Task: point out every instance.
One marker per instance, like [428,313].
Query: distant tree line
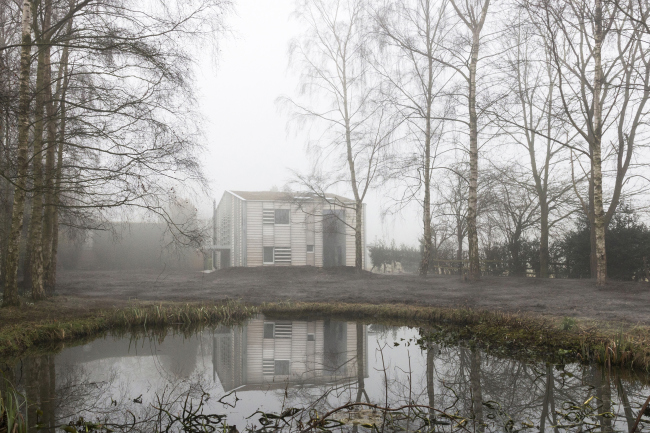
[628,251]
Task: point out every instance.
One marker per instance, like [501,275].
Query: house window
[269,330]
[268,367]
[282,330]
[268,216]
[310,248]
[282,367]
[282,255]
[268,254]
[282,216]
[310,337]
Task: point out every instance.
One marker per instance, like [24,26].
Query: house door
[333,238]
[225,259]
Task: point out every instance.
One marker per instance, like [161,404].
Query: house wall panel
[282,348]
[298,237]
[268,235]
[351,348]
[299,348]
[282,235]
[254,352]
[318,237]
[268,348]
[350,248]
[319,335]
[254,235]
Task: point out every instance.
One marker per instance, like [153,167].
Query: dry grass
[569,339]
[18,337]
[614,344]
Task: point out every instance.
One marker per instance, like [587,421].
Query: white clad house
[270,228]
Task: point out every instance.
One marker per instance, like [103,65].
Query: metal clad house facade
[267,228]
[265,354]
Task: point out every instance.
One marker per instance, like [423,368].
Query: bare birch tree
[602,83]
[332,57]
[527,118]
[411,33]
[10,295]
[472,14]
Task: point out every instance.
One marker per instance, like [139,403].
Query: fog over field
[482,137]
[336,216]
[250,73]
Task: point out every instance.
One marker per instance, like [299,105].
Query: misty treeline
[97,122]
[505,121]
[628,252]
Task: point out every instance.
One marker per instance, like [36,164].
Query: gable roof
[284,196]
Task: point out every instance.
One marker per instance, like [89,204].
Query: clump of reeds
[20,337]
[11,419]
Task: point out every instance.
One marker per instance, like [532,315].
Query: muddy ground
[618,301]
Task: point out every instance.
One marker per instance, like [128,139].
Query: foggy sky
[249,145]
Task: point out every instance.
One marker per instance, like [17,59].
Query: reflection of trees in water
[492,393]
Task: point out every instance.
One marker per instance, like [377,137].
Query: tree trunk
[426,217]
[426,220]
[50,154]
[361,364]
[477,392]
[459,240]
[599,213]
[5,190]
[431,394]
[35,239]
[543,240]
[10,296]
[358,232]
[604,396]
[472,232]
[50,270]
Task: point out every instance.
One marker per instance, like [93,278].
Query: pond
[323,374]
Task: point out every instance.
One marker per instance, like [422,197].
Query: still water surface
[179,382]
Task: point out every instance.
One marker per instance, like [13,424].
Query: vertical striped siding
[310,351]
[282,349]
[282,235]
[350,249]
[254,234]
[267,229]
[298,348]
[298,237]
[351,348]
[268,348]
[318,237]
[254,355]
[319,347]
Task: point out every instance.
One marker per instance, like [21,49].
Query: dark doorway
[333,238]
[225,259]
[335,339]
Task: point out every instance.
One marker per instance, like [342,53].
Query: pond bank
[622,301]
[530,335]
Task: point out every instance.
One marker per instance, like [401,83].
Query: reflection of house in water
[265,352]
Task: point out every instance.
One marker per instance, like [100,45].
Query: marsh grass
[11,417]
[554,338]
[22,336]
